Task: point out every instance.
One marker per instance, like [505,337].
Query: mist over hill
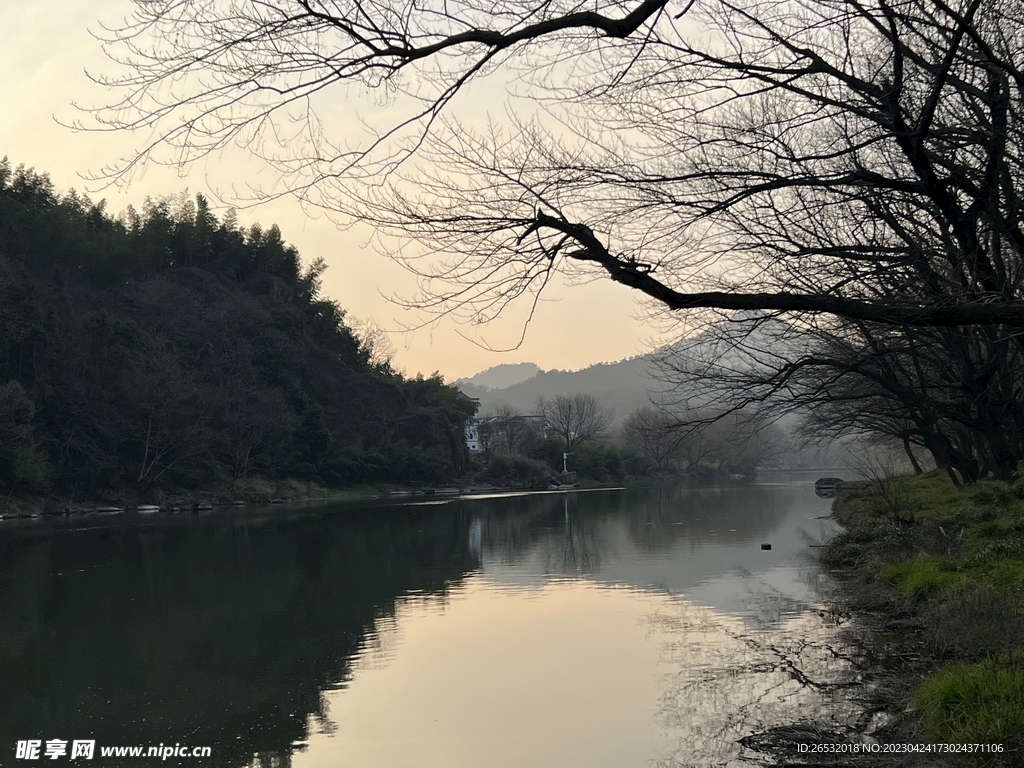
[636,381]
[623,386]
[632,383]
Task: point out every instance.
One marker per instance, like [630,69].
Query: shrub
[972,703]
[921,578]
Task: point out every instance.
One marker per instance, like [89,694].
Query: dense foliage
[167,347]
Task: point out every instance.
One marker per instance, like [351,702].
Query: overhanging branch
[638,276]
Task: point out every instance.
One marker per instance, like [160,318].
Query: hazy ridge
[622,385]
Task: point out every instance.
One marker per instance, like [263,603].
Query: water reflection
[207,632]
[728,682]
[377,634]
[701,542]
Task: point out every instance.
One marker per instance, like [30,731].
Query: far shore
[286,492]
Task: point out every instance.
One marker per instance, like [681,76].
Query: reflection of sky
[560,676]
[586,642]
[569,672]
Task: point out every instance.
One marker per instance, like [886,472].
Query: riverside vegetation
[944,569]
[158,355]
[167,349]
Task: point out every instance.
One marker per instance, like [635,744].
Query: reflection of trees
[655,518]
[216,633]
[508,538]
[563,532]
[580,548]
[729,682]
[767,607]
[737,692]
[660,517]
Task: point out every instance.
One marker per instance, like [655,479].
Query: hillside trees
[20,460]
[168,348]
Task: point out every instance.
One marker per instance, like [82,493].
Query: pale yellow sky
[47,47]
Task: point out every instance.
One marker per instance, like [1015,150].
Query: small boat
[147,509]
[110,510]
[826,487]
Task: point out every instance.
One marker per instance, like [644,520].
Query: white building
[473,431]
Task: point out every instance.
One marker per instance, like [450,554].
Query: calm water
[611,628]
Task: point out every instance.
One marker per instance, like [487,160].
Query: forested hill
[167,348]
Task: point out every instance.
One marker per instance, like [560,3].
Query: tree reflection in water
[231,630]
[223,631]
[730,679]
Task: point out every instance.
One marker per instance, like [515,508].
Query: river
[612,628]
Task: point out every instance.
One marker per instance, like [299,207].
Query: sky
[47,49]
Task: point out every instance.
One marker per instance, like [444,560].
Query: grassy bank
[943,569]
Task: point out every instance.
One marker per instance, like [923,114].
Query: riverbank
[250,491]
[246,491]
[937,574]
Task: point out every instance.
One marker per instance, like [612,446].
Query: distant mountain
[501,376]
[635,382]
[623,386]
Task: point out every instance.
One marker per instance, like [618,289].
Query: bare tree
[747,441]
[577,417]
[505,431]
[953,393]
[777,156]
[655,435]
[701,439]
[854,166]
[374,341]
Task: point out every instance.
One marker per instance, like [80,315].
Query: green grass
[935,494]
[924,577]
[1001,573]
[940,576]
[957,557]
[973,703]
[932,496]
